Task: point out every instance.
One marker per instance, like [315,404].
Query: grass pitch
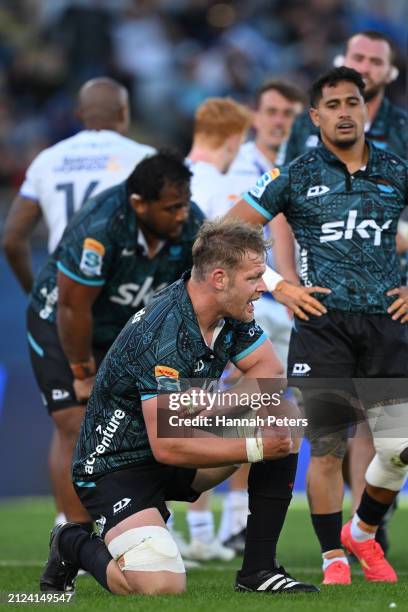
[25,525]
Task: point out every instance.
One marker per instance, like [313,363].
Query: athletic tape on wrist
[254,449]
[271,279]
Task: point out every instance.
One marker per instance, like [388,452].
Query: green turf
[23,549]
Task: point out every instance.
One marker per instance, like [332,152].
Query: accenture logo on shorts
[300,369]
[108,433]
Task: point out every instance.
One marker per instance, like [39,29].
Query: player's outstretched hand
[83,388]
[299,299]
[399,308]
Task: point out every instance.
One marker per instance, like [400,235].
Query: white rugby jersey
[250,164]
[213,191]
[63,176]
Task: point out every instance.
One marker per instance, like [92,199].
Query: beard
[372,92]
[345,144]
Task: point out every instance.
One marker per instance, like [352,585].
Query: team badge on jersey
[163,370]
[92,257]
[262,183]
[167,378]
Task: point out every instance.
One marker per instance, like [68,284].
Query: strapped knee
[387,470]
[147,549]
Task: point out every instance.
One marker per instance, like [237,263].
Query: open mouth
[345,126]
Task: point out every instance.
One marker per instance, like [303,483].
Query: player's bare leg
[68,423]
[54,457]
[325,489]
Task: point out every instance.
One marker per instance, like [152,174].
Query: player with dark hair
[60,179]
[121,247]
[125,468]
[343,200]
[371,54]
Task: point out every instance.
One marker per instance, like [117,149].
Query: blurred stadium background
[171,54]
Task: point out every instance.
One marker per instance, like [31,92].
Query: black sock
[87,551]
[328,528]
[270,487]
[371,511]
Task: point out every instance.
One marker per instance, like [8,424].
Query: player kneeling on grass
[124,472]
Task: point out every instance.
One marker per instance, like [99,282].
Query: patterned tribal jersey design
[117,262]
[345,224]
[113,433]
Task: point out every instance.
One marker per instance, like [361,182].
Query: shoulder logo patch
[92,257]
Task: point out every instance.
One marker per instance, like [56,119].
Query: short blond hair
[218,118]
[224,243]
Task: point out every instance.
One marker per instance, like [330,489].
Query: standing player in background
[372,55]
[276,105]
[343,201]
[220,126]
[62,178]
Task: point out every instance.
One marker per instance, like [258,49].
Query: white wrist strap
[254,449]
[271,279]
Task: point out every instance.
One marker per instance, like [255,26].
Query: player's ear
[218,278]
[314,115]
[393,74]
[137,203]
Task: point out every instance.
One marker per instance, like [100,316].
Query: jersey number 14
[68,190]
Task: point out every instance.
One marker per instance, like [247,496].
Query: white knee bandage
[147,549]
[386,469]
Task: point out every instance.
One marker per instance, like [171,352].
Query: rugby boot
[370,555]
[274,581]
[237,542]
[203,551]
[58,575]
[337,573]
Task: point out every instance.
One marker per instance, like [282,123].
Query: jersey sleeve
[86,254]
[30,188]
[270,194]
[154,362]
[248,336]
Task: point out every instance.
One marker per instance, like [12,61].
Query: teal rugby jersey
[100,247]
[160,344]
[389,131]
[345,224]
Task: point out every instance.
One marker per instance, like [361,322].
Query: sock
[328,528]
[88,527]
[234,514]
[270,485]
[86,551]
[201,525]
[371,511]
[327,562]
[60,518]
[357,533]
